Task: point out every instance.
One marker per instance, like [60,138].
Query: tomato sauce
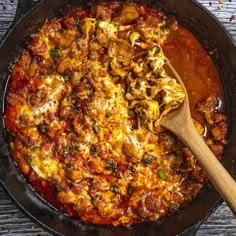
[194,66]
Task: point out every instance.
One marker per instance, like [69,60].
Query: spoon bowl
[179,122]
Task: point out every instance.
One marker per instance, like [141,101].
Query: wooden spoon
[179,122]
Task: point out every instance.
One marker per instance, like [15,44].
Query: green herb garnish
[111,165]
[88,87]
[157,50]
[61,31]
[98,21]
[28,158]
[73,108]
[131,168]
[76,148]
[117,26]
[108,115]
[162,174]
[55,53]
[10,132]
[59,188]
[92,37]
[68,77]
[35,148]
[173,207]
[115,189]
[140,215]
[148,159]
[130,189]
[95,129]
[54,152]
[11,145]
[66,150]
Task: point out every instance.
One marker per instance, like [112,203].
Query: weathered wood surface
[14,223]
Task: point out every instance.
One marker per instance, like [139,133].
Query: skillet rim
[202,8]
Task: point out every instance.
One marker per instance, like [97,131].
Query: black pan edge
[94,231]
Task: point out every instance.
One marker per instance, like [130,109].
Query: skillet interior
[211,36]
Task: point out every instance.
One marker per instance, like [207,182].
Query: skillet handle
[23,6]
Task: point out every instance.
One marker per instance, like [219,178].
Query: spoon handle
[219,177]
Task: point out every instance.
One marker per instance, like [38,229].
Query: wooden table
[13,222]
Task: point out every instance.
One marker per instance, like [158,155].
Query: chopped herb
[141,195]
[140,215]
[68,77]
[95,129]
[148,159]
[157,50]
[61,31]
[62,98]
[117,26]
[76,148]
[73,108]
[173,207]
[32,62]
[130,189]
[59,188]
[35,148]
[55,53]
[98,22]
[70,149]
[131,89]
[54,152]
[131,114]
[92,37]
[66,150]
[108,97]
[72,94]
[94,149]
[108,114]
[94,199]
[28,158]
[88,87]
[111,165]
[162,174]
[11,145]
[131,168]
[115,189]
[160,72]
[10,132]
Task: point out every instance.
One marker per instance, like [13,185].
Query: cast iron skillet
[214,38]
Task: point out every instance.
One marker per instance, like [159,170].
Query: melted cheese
[98,122]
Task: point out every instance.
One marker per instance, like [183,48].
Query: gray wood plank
[14,223]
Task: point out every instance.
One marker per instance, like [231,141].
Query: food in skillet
[83,107]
